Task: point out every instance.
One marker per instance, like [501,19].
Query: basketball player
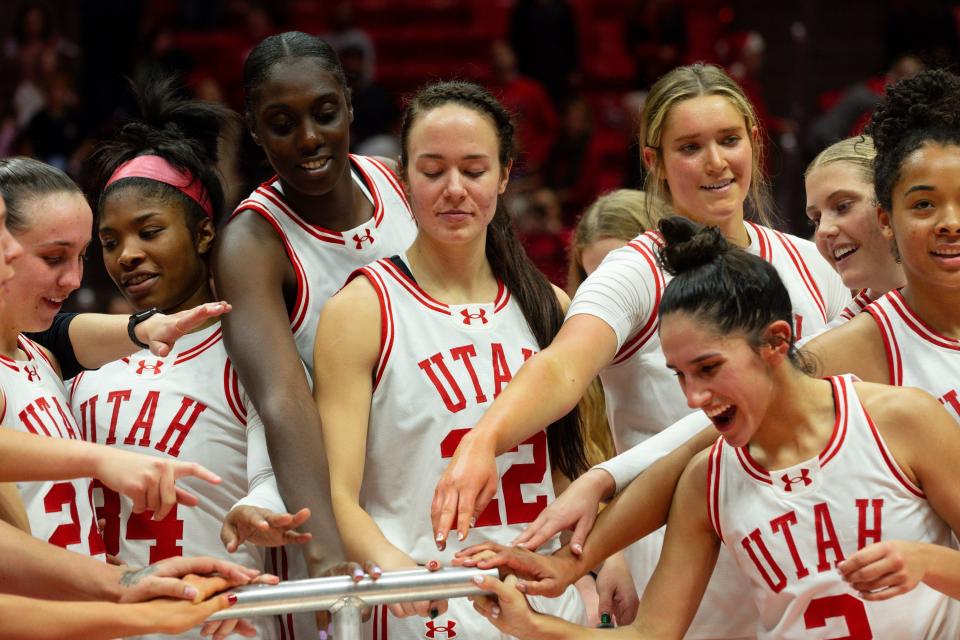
[325,214]
[50,219]
[703,148]
[806,473]
[416,346]
[159,199]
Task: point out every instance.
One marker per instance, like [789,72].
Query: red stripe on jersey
[890,346]
[503,296]
[303,288]
[889,460]
[320,233]
[383,623]
[230,392]
[917,325]
[751,466]
[419,294]
[804,272]
[386,320]
[9,363]
[762,241]
[392,179]
[3,414]
[198,349]
[640,338]
[374,191]
[713,486]
[840,424]
[858,304]
[74,383]
[27,342]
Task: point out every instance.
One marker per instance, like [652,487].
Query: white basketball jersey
[643,397]
[440,368]
[61,512]
[188,406]
[788,530]
[322,259]
[917,355]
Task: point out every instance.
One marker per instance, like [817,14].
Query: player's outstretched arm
[101,338]
[545,388]
[150,482]
[251,269]
[346,352]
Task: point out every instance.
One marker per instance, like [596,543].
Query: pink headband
[157,168]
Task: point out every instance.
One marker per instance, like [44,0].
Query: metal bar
[347,619]
[323,593]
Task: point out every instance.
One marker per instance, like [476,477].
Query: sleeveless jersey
[322,259]
[60,512]
[917,355]
[188,406]
[440,368]
[643,397]
[788,530]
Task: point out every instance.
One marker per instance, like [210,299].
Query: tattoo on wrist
[131,577]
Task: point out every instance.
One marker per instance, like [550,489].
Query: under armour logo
[31,372]
[447,630]
[152,367]
[366,237]
[468,317]
[804,477]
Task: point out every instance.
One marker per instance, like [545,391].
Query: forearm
[32,568]
[545,389]
[300,464]
[943,569]
[11,507]
[32,619]
[365,540]
[25,457]
[547,627]
[99,338]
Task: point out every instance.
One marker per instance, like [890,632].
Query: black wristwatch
[137,318]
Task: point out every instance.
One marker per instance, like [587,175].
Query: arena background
[574,72]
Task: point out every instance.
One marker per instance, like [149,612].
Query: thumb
[229,536]
[493,585]
[580,533]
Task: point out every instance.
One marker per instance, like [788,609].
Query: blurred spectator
[743,53]
[851,112]
[572,168]
[161,56]
[527,100]
[635,173]
[541,231]
[655,33]
[543,35]
[56,131]
[374,109]
[35,35]
[345,33]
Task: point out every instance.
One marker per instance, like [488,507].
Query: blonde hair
[686,83]
[622,214]
[858,151]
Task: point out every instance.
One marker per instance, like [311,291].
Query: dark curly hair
[505,254]
[921,109]
[721,284]
[182,131]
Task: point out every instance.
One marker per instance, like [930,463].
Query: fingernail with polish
[478,579]
[461,536]
[473,521]
[433,565]
[232,598]
[190,592]
[439,537]
[578,548]
[434,613]
[495,612]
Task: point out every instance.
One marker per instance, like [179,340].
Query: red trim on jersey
[503,297]
[387,328]
[23,340]
[917,325]
[9,363]
[763,243]
[804,272]
[419,294]
[640,338]
[373,189]
[840,424]
[74,383]
[231,391]
[858,304]
[303,287]
[890,345]
[3,414]
[392,179]
[713,486]
[384,611]
[890,461]
[751,466]
[276,198]
[198,349]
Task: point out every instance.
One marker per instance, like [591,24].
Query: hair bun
[689,245]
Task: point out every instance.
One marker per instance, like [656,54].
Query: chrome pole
[324,593]
[347,619]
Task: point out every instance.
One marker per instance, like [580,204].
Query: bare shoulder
[351,316]
[562,297]
[895,409]
[245,241]
[853,347]
[694,477]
